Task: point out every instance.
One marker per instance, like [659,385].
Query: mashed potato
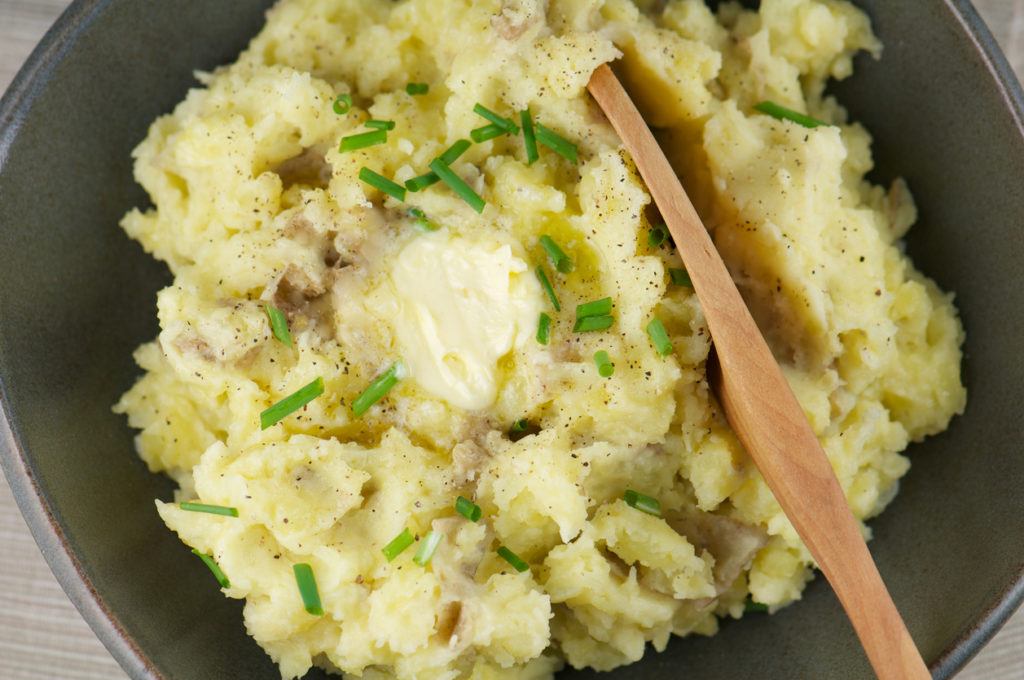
[256,206]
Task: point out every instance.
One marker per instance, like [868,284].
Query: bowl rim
[50,537]
[1006,602]
[15,103]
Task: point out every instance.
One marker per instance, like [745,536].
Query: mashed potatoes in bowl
[431,376]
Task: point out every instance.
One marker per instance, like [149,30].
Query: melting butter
[461,304]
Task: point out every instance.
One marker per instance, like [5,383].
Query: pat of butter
[461,305]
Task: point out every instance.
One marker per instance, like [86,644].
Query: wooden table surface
[41,633]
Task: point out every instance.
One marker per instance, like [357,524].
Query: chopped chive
[546,285]
[656,332]
[421,220]
[468,509]
[482,134]
[605,367]
[522,428]
[212,509]
[602,307]
[680,277]
[544,329]
[750,606]
[427,548]
[642,502]
[557,143]
[423,224]
[293,402]
[417,88]
[278,325]
[342,104]
[657,235]
[513,559]
[363,140]
[529,139]
[217,573]
[559,259]
[383,183]
[502,122]
[450,155]
[593,323]
[453,152]
[422,182]
[782,113]
[378,388]
[306,582]
[398,544]
[462,190]
[380,124]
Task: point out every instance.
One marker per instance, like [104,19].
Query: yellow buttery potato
[262,206]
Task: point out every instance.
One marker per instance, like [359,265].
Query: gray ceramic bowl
[76,297]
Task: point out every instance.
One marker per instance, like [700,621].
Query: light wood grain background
[41,634]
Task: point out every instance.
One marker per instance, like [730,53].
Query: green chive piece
[546,285]
[782,113]
[427,548]
[557,143]
[417,88]
[363,140]
[656,332]
[502,122]
[279,325]
[482,134]
[424,224]
[544,329]
[306,582]
[513,559]
[422,182]
[657,235]
[342,104]
[750,606]
[380,124]
[642,502]
[461,189]
[602,307]
[211,509]
[522,428]
[378,388]
[680,277]
[217,573]
[593,323]
[529,139]
[559,259]
[383,183]
[421,221]
[293,402]
[468,509]
[450,155]
[605,367]
[398,544]
[453,152]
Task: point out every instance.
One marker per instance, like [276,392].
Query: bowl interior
[76,297]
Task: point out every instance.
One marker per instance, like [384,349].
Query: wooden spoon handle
[763,411]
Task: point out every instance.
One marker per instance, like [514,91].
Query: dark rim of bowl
[50,537]
[984,629]
[48,534]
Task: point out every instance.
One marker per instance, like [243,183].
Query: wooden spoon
[763,411]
